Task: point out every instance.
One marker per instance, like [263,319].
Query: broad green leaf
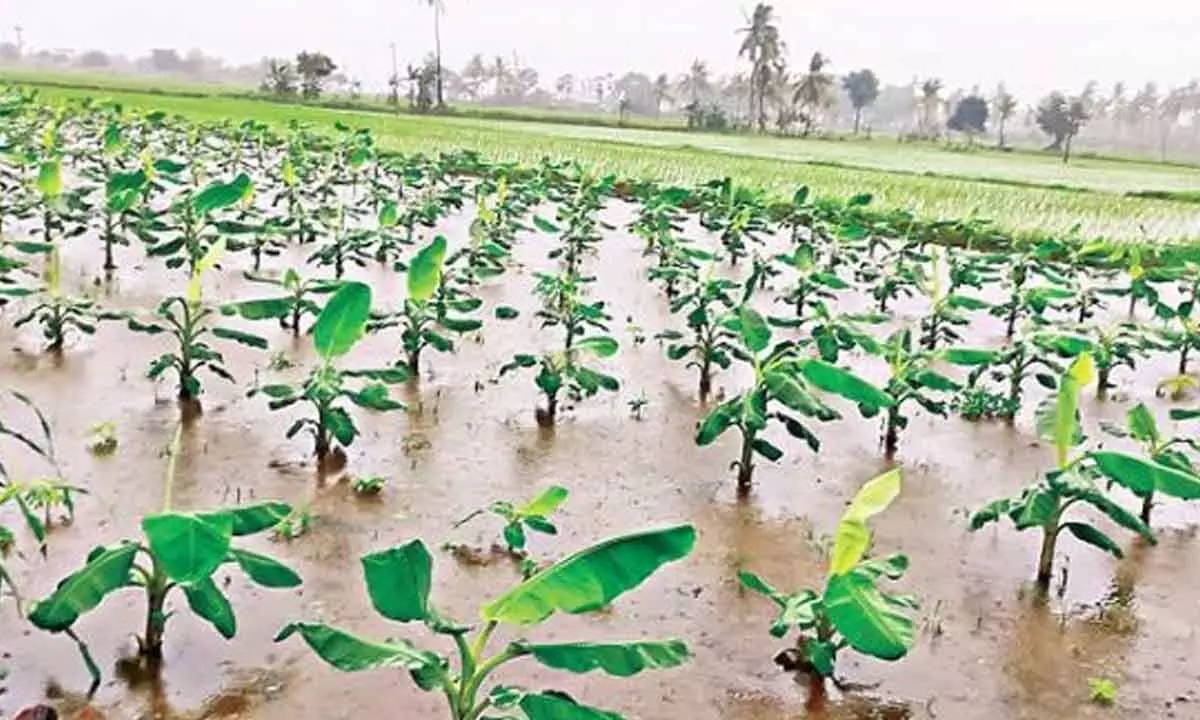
[717,422]
[348,653]
[265,309]
[242,338]
[188,548]
[1092,536]
[425,270]
[544,504]
[221,195]
[600,345]
[107,570]
[557,706]
[388,214]
[1061,426]
[1146,476]
[853,536]
[265,571]
[206,600]
[591,578]
[870,622]
[965,357]
[618,659]
[398,581]
[753,329]
[206,263]
[1141,422]
[343,321]
[834,379]
[253,519]
[49,179]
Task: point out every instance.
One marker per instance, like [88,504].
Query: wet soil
[987,648]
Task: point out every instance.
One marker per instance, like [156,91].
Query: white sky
[1035,45]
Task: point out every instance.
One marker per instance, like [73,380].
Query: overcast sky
[1034,45]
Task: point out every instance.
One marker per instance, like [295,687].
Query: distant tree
[93,59]
[600,85]
[931,91]
[500,73]
[394,82]
[565,86]
[1169,112]
[970,117]
[438,7]
[814,91]
[662,92]
[765,49]
[862,86]
[474,76]
[165,60]
[623,106]
[1004,106]
[1061,119]
[695,85]
[525,82]
[281,80]
[314,68]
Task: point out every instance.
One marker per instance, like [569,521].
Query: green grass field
[1022,192]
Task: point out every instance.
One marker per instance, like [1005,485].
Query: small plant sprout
[1102,691]
[291,308]
[782,377]
[533,515]
[180,551]
[399,582]
[338,329]
[102,438]
[1074,480]
[368,485]
[637,406]
[186,320]
[851,612]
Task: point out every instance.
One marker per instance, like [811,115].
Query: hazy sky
[1035,45]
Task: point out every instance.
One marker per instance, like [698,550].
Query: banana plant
[782,377]
[399,581]
[814,285]
[427,309]
[186,319]
[121,211]
[532,516]
[338,329]
[1074,481]
[291,308]
[911,380]
[178,551]
[562,368]
[1013,364]
[851,611]
[892,280]
[1121,345]
[197,223]
[706,302]
[60,315]
[1142,478]
[947,311]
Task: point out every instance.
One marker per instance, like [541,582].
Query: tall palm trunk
[437,42]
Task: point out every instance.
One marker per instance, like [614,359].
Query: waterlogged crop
[178,551]
[399,582]
[518,519]
[785,390]
[851,611]
[290,309]
[338,329]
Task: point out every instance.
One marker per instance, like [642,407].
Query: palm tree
[695,84]
[662,92]
[1005,106]
[813,91]
[930,101]
[763,47]
[438,7]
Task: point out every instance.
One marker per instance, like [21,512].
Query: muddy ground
[986,648]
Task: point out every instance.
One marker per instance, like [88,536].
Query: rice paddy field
[1019,192]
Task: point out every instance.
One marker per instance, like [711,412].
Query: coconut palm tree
[1004,105]
[814,91]
[662,92]
[764,48]
[695,84]
[438,7]
[931,91]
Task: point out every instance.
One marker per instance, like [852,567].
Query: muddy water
[985,649]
